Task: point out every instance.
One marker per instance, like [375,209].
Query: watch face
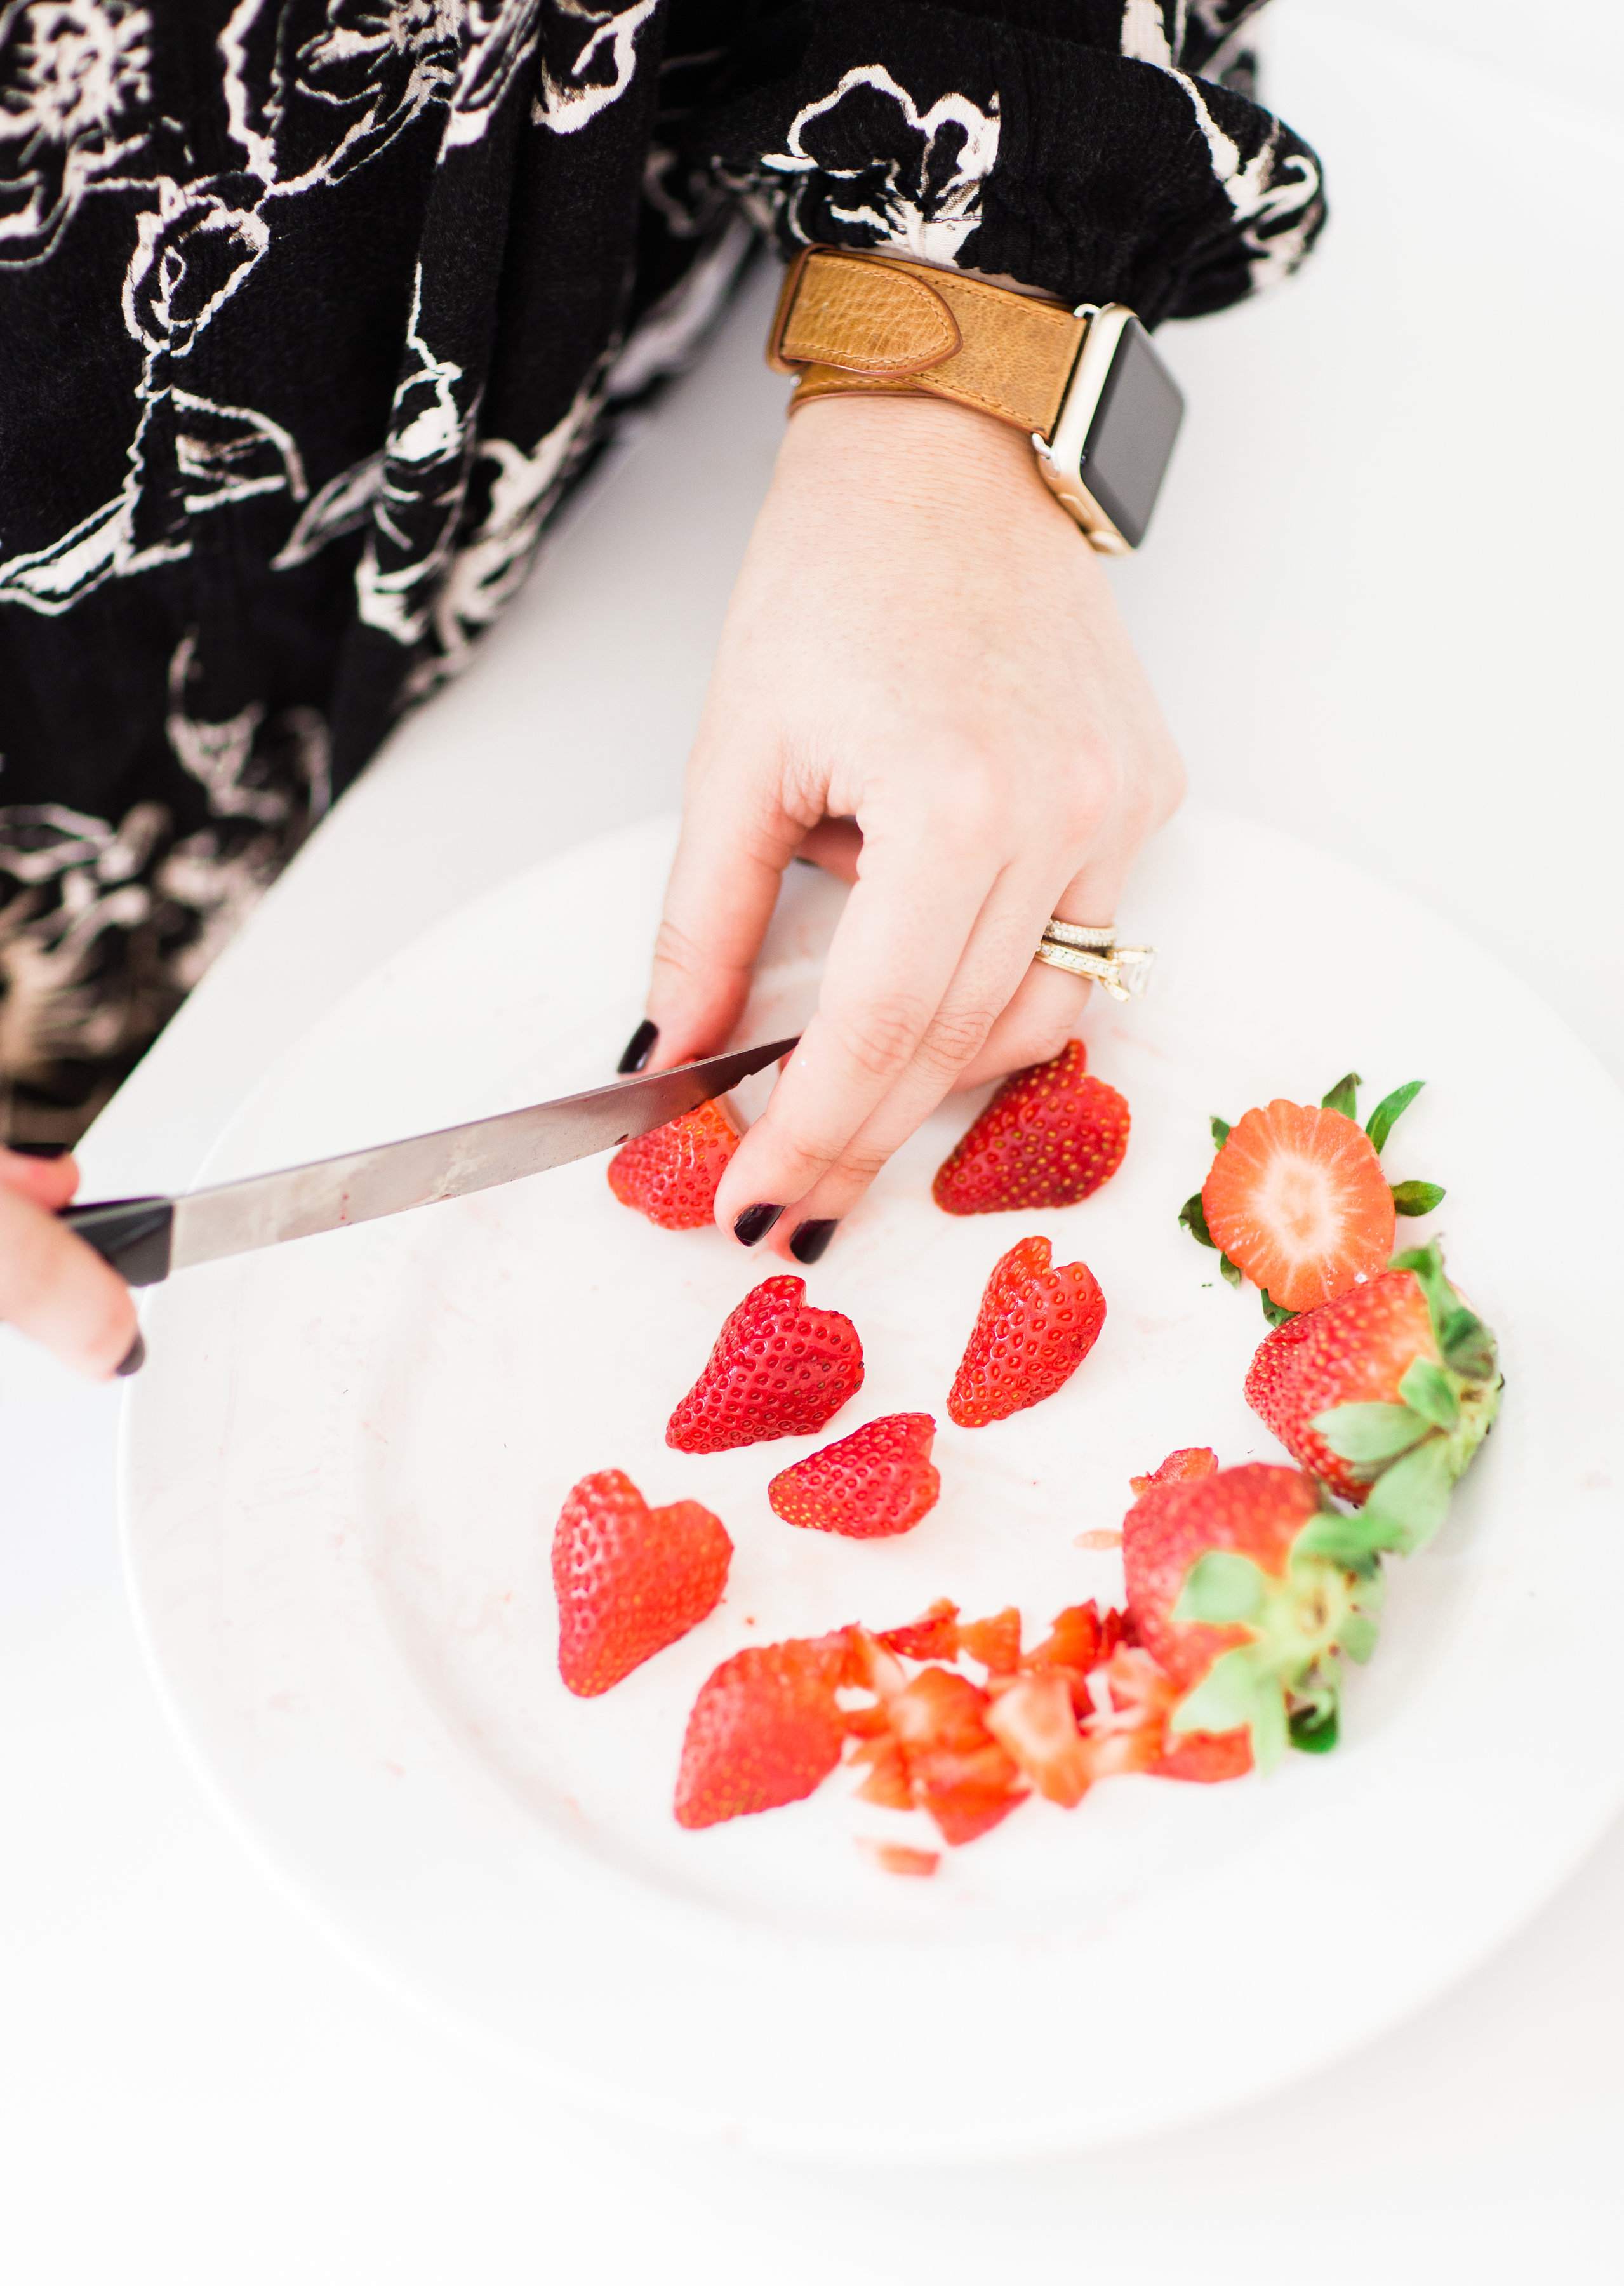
[1130,436]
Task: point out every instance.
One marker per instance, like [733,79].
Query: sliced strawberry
[957,1770]
[934,1635]
[871,1486]
[778,1370]
[1049,1137]
[1385,1394]
[1204,1758]
[1128,1735]
[765,1729]
[1035,1325]
[896,1857]
[995,1642]
[671,1175]
[1035,1721]
[1297,1198]
[1188,1461]
[630,1579]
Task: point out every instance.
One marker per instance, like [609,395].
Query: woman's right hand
[52,1285]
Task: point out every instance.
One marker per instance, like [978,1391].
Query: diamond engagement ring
[1122,970]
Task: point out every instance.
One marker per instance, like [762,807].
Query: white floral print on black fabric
[328,304]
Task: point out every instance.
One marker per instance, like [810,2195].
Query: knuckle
[952,1036]
[879,1038]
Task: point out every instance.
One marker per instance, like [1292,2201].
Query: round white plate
[343,1464]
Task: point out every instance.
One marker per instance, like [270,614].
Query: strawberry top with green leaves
[671,1175]
[869,1485]
[1385,1394]
[778,1370]
[1241,1590]
[1051,1136]
[1297,1198]
[765,1728]
[629,1579]
[1037,1323]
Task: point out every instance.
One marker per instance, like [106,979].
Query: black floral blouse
[312,311]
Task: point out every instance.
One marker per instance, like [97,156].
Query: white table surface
[193,2086]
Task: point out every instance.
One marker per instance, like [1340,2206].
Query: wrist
[899,444]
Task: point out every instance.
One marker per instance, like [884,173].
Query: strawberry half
[765,1728]
[778,1370]
[1244,1593]
[1297,1198]
[671,1175]
[1049,1137]
[1035,1325]
[1385,1394]
[871,1484]
[630,1579]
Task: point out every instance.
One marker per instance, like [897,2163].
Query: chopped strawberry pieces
[869,1485]
[995,1642]
[1182,1467]
[896,1857]
[671,1175]
[887,1783]
[1297,1198]
[1035,1720]
[765,1728]
[1128,1735]
[934,1635]
[778,1370]
[1079,1639]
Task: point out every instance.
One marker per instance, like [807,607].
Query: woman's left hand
[921,642]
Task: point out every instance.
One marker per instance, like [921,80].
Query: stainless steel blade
[296,1202]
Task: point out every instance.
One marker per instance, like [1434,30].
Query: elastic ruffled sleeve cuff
[970,139]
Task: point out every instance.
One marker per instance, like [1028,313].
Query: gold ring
[1121,970]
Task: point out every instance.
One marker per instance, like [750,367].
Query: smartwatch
[1086,385]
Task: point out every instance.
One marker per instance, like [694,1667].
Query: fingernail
[755,1223]
[639,1048]
[811,1242]
[135,1358]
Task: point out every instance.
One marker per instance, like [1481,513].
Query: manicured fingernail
[755,1223]
[811,1242]
[639,1048]
[135,1358]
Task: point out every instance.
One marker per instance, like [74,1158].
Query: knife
[145,1239]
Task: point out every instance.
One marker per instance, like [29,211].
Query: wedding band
[1120,970]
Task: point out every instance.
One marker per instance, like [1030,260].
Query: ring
[1122,970]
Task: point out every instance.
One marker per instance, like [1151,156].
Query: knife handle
[132,1235]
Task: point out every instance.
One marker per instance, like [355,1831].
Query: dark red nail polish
[638,1049]
[811,1242]
[135,1358]
[754,1224]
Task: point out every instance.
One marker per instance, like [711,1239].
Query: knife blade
[145,1239]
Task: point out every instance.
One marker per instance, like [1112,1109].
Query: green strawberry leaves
[1221,1589]
[1220,1131]
[1410,1498]
[1417,1198]
[1367,1435]
[1345,1097]
[1428,1390]
[1384,1118]
[1276,1311]
[1192,1215]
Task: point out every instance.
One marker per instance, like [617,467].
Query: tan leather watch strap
[876,324]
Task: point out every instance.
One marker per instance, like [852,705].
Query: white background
[1382,604]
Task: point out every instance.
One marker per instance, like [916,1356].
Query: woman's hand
[920,641]
[51,1285]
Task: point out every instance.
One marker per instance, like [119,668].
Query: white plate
[344,1459]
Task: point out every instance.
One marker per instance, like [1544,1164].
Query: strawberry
[1132,1735]
[871,1484]
[934,1635]
[1049,1137]
[1244,1593]
[630,1579]
[1035,1326]
[1385,1394]
[778,1370]
[956,1769]
[671,1175]
[1034,1718]
[995,1642]
[896,1857]
[1297,1198]
[1189,1461]
[765,1729]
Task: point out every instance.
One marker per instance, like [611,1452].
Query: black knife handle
[132,1235]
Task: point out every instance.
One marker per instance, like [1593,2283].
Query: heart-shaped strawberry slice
[778,1370]
[630,1579]
[671,1175]
[1039,1320]
[878,1481]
